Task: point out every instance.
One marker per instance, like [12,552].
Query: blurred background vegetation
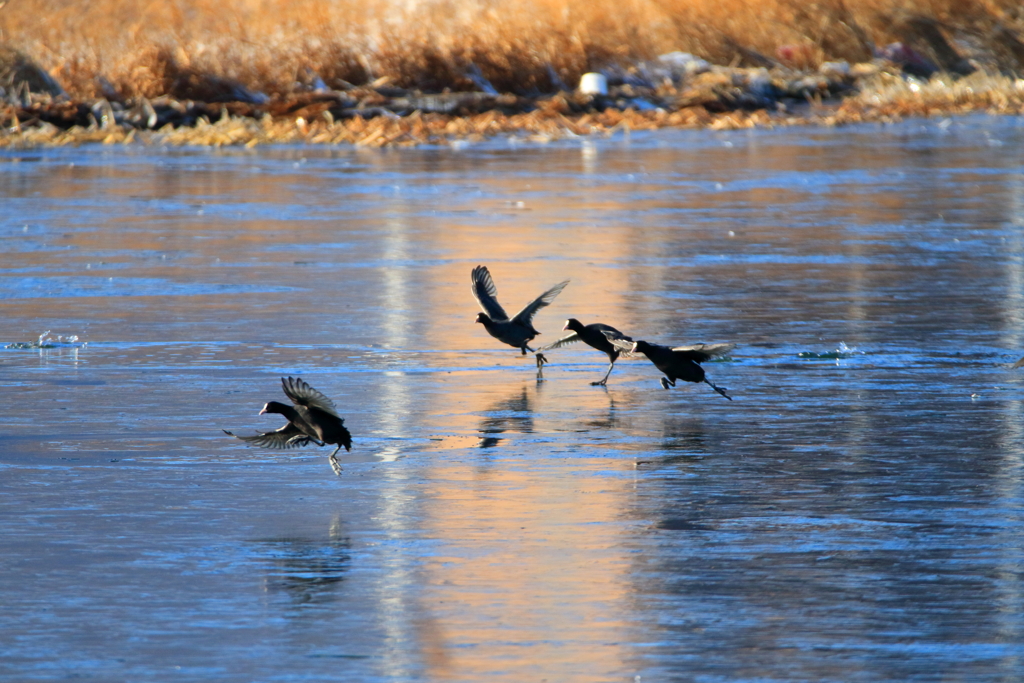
[129,48]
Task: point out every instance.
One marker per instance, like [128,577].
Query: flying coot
[313,419]
[518,331]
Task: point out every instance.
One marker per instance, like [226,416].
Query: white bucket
[593,84]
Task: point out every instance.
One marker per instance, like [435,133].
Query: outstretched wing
[704,352]
[570,338]
[625,343]
[302,394]
[525,316]
[487,294]
[621,342]
[286,437]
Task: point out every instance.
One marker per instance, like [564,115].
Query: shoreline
[720,98]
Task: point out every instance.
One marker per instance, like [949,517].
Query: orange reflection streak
[521,592]
[529,592]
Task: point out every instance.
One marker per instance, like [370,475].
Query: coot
[313,419]
[680,362]
[597,335]
[518,331]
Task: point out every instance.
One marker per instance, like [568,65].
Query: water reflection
[609,419]
[308,570]
[396,299]
[511,414]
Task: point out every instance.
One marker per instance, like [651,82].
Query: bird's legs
[604,380]
[719,390]
[334,461]
[665,382]
[541,359]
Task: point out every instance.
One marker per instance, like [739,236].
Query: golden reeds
[128,48]
[890,97]
[242,72]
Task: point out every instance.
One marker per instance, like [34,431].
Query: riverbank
[309,120]
[435,73]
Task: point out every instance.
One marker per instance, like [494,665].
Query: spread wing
[487,294]
[1018,364]
[286,437]
[703,352]
[302,394]
[620,341]
[570,338]
[525,316]
[623,343]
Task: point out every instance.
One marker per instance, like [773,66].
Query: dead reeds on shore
[248,72]
[120,49]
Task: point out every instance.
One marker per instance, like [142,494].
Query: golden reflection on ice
[520,584]
[528,578]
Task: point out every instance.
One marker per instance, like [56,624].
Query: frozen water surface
[854,515]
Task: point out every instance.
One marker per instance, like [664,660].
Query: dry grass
[197,50]
[127,48]
[892,98]
[550,122]
[889,99]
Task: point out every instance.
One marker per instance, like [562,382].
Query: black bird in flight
[312,419]
[518,331]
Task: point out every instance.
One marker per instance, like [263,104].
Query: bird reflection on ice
[308,569]
[511,414]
